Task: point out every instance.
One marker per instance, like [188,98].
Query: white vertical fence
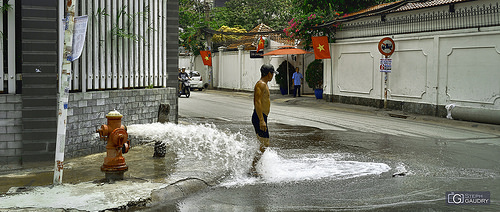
[124,45]
[1,53]
[8,74]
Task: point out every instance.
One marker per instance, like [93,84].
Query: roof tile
[408,6]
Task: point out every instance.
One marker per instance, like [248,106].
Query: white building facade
[445,54]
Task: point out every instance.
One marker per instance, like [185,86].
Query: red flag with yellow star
[321,47]
[261,44]
[207,57]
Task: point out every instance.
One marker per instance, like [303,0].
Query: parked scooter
[185,87]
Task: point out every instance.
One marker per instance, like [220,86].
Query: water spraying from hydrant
[116,135]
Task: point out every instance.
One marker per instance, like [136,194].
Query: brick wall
[10,131]
[87,112]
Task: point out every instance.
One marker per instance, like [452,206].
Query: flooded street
[308,169]
[321,158]
[365,163]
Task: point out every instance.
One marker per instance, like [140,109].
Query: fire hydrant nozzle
[103,132]
[117,143]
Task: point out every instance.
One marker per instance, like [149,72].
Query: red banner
[207,57]
[321,47]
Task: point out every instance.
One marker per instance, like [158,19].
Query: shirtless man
[262,105]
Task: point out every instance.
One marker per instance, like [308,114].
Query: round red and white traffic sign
[386,46]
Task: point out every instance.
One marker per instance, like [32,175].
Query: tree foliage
[302,27]
[344,6]
[242,14]
[217,38]
[250,13]
[308,14]
[191,20]
[297,18]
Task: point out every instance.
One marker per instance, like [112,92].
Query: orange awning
[284,50]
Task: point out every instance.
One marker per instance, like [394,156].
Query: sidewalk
[148,180]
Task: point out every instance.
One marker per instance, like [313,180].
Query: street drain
[398,116]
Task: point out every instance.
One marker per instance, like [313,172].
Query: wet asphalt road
[433,158]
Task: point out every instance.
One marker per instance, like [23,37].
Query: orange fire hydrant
[116,135]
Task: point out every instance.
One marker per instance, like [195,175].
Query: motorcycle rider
[182,75]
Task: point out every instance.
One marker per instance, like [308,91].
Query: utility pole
[208,36]
[64,79]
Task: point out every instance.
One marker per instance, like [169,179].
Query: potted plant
[281,78]
[314,77]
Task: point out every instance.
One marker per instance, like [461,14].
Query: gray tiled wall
[87,112]
[11,146]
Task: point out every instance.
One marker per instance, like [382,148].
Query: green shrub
[314,74]
[281,78]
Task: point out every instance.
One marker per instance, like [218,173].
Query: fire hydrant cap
[114,113]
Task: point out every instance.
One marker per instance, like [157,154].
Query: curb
[177,190]
[474,126]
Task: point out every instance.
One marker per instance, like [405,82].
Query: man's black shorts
[256,125]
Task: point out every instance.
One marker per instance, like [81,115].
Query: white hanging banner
[79,33]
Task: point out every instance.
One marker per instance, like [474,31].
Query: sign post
[386,47]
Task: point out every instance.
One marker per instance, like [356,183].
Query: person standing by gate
[297,82]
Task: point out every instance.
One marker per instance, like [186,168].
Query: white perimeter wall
[236,70]
[460,67]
